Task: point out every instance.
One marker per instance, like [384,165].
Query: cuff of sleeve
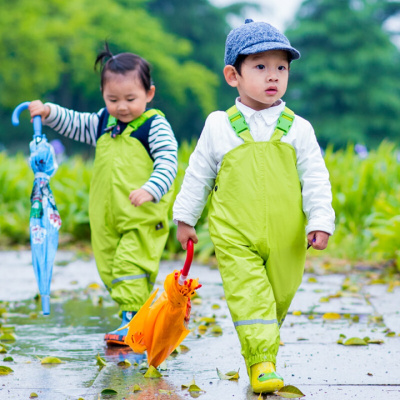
[53,114]
[186,220]
[320,226]
[148,187]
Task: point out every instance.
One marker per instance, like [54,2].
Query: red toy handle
[188,262]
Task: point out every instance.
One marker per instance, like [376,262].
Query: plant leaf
[5,370]
[290,392]
[8,359]
[152,372]
[192,382]
[231,375]
[101,362]
[124,364]
[355,341]
[164,391]
[331,316]
[50,360]
[136,388]
[109,391]
[33,395]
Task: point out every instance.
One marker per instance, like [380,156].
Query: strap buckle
[285,121]
[238,122]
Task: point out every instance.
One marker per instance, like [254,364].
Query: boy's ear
[230,75]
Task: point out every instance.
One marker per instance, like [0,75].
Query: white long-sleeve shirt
[83,127]
[218,138]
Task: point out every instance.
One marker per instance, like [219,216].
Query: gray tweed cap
[256,37]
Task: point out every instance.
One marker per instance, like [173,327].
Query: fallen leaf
[375,341]
[3,350]
[136,388]
[185,386]
[215,306]
[5,370]
[8,337]
[355,341]
[290,392]
[197,301]
[184,349]
[324,300]
[195,388]
[168,392]
[8,359]
[124,364]
[50,360]
[152,372]
[390,334]
[296,312]
[207,320]
[369,374]
[101,362]
[216,330]
[312,279]
[33,395]
[229,376]
[109,391]
[331,316]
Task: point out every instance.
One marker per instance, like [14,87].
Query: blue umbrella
[45,220]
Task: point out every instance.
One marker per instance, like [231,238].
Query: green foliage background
[366,199]
[346,83]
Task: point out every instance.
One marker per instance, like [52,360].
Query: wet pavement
[310,357]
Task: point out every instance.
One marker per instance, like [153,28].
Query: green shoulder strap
[138,122]
[241,128]
[285,121]
[239,124]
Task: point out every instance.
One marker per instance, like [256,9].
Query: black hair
[240,60]
[121,64]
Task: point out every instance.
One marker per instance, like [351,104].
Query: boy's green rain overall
[258,228]
[127,241]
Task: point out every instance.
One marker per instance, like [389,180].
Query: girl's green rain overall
[258,228]
[127,241]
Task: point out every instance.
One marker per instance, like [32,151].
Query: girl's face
[125,96]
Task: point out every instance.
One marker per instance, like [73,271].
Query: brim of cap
[260,47]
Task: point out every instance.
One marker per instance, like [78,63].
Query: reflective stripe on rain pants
[127,241]
[258,228]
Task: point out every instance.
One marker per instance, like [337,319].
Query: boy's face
[263,79]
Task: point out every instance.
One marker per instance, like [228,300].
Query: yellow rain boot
[264,378]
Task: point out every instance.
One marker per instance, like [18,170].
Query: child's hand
[36,107]
[184,233]
[318,239]
[140,196]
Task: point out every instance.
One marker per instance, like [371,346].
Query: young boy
[269,188]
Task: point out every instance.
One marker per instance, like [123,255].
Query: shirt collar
[269,115]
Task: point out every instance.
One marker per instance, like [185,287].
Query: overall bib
[127,241]
[258,228]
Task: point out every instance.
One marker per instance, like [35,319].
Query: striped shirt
[163,148]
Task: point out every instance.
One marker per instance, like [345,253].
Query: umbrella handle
[188,262]
[37,120]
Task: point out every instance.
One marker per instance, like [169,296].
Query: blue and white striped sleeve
[164,151]
[75,125]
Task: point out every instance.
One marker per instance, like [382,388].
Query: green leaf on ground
[124,364]
[50,360]
[8,337]
[185,386]
[216,330]
[231,375]
[5,370]
[8,359]
[375,341]
[290,392]
[152,372]
[101,362]
[3,350]
[165,391]
[355,341]
[33,395]
[136,388]
[109,391]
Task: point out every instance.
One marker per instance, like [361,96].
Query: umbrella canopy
[44,218]
[159,328]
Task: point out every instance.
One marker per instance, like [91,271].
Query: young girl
[134,170]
